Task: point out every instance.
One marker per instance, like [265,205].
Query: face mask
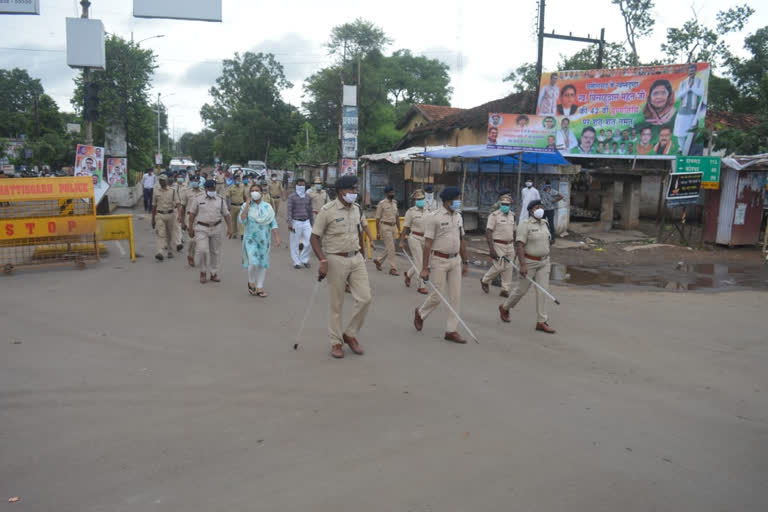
[274,179]
[195,184]
[528,184]
[211,193]
[300,189]
[430,197]
[504,208]
[245,182]
[180,180]
[237,183]
[419,203]
[455,204]
[255,195]
[318,187]
[350,197]
[538,213]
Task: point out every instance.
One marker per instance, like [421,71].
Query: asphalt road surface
[132,387]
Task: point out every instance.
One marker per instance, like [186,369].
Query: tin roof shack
[484,172]
[420,114]
[734,213]
[394,168]
[326,171]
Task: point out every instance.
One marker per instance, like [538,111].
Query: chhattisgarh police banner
[650,111]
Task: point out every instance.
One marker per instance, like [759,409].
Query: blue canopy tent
[477,158]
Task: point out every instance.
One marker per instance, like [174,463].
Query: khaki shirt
[209,210]
[414,219]
[165,200]
[503,226]
[534,234]
[338,227]
[445,228]
[318,199]
[236,194]
[386,211]
[192,195]
[276,189]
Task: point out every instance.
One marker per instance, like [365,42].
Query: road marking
[120,246]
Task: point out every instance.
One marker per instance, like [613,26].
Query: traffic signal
[91,110]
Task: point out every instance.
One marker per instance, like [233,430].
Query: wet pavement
[675,277]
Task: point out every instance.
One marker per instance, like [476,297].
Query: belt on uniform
[301,220]
[417,233]
[237,204]
[505,242]
[209,225]
[164,212]
[387,223]
[444,255]
[345,254]
[535,258]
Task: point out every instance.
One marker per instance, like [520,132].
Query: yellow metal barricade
[117,227]
[47,220]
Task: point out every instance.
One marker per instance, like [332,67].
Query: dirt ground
[132,387]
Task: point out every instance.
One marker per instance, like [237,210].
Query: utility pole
[158,122]
[539,61]
[85,4]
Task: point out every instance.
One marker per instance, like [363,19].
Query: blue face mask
[195,184]
[245,182]
[419,203]
[456,204]
[504,208]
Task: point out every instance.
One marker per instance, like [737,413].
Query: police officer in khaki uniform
[387,226]
[533,252]
[276,191]
[181,191]
[236,196]
[206,216]
[337,239]
[444,243]
[165,202]
[318,195]
[500,234]
[413,226]
[221,183]
[194,193]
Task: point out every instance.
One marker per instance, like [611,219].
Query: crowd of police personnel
[432,232]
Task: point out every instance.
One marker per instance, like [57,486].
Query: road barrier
[47,221]
[117,227]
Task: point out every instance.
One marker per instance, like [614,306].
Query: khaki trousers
[416,246]
[388,234]
[446,276]
[208,242]
[178,235]
[276,205]
[502,267]
[343,270]
[165,231]
[234,212]
[539,272]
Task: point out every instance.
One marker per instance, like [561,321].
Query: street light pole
[158,123]
[85,4]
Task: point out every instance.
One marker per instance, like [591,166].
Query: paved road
[131,387]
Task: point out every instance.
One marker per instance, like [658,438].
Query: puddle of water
[677,277]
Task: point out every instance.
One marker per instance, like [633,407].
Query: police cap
[449,193]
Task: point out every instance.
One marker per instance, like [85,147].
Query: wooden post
[463,181]
[519,189]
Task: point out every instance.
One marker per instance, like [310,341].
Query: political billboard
[117,172]
[524,132]
[637,112]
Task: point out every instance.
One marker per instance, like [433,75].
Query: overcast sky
[481,42]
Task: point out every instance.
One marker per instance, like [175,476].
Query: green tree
[638,22]
[614,56]
[352,41]
[751,74]
[198,146]
[124,98]
[523,78]
[416,79]
[247,112]
[695,42]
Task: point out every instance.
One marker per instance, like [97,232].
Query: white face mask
[211,193]
[528,184]
[274,179]
[300,189]
[318,186]
[255,195]
[538,213]
[430,197]
[350,197]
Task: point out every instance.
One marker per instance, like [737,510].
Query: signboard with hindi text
[636,112]
[708,166]
[522,132]
[684,188]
